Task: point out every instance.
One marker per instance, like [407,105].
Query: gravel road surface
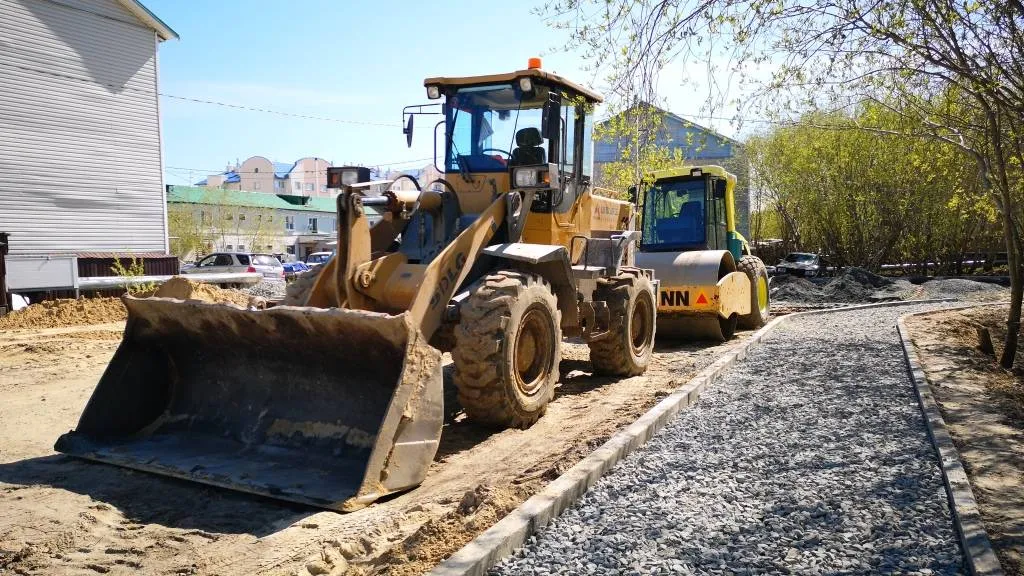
[809,457]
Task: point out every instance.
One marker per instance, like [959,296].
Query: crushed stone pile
[964,289]
[787,288]
[65,312]
[269,289]
[857,286]
[185,289]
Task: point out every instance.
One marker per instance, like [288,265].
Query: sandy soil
[60,515]
[983,406]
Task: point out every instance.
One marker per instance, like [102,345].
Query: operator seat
[529,149]
[691,220]
[687,227]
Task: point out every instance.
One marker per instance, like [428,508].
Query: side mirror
[720,188]
[408,131]
[552,116]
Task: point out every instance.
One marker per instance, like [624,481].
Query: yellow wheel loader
[336,399]
[710,282]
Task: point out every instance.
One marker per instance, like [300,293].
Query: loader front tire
[627,350]
[508,345]
[759,300]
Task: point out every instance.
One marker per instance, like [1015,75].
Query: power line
[93,81]
[280,113]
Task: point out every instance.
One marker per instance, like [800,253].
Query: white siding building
[80,150]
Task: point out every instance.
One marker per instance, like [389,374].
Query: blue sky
[357,61]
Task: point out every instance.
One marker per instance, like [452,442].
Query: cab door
[717,239]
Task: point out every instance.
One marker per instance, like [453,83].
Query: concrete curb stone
[509,533]
[979,556]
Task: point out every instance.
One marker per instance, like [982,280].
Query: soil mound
[185,289]
[65,312]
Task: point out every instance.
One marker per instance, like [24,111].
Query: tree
[186,232]
[953,69]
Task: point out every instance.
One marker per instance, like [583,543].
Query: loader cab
[689,209]
[528,129]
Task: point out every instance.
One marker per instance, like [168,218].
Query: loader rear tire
[759,300]
[627,350]
[508,346]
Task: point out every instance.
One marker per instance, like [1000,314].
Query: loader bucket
[329,407]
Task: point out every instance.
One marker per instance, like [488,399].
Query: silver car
[233,262]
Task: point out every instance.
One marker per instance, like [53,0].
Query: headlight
[525,84]
[433,92]
[531,177]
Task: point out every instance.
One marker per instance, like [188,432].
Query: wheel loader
[335,399]
[710,282]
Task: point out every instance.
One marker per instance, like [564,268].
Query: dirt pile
[185,289]
[65,312]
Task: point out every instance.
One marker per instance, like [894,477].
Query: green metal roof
[217,197]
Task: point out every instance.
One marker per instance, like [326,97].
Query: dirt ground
[983,406]
[60,515]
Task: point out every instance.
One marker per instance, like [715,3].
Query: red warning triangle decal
[701,299]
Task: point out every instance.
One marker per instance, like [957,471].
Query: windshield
[493,126]
[800,258]
[674,214]
[265,260]
[319,258]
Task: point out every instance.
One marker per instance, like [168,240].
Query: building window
[228,247]
[230,216]
[312,225]
[278,184]
[309,187]
[256,170]
[256,185]
[270,217]
[298,187]
[241,248]
[323,187]
[204,218]
[241,217]
[289,222]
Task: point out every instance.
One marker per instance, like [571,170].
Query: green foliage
[866,199]
[135,269]
[942,80]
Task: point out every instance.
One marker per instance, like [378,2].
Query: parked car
[292,269]
[318,258]
[801,264]
[233,262]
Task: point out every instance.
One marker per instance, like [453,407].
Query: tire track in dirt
[61,514]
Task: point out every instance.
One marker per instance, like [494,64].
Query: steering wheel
[486,150]
[505,160]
